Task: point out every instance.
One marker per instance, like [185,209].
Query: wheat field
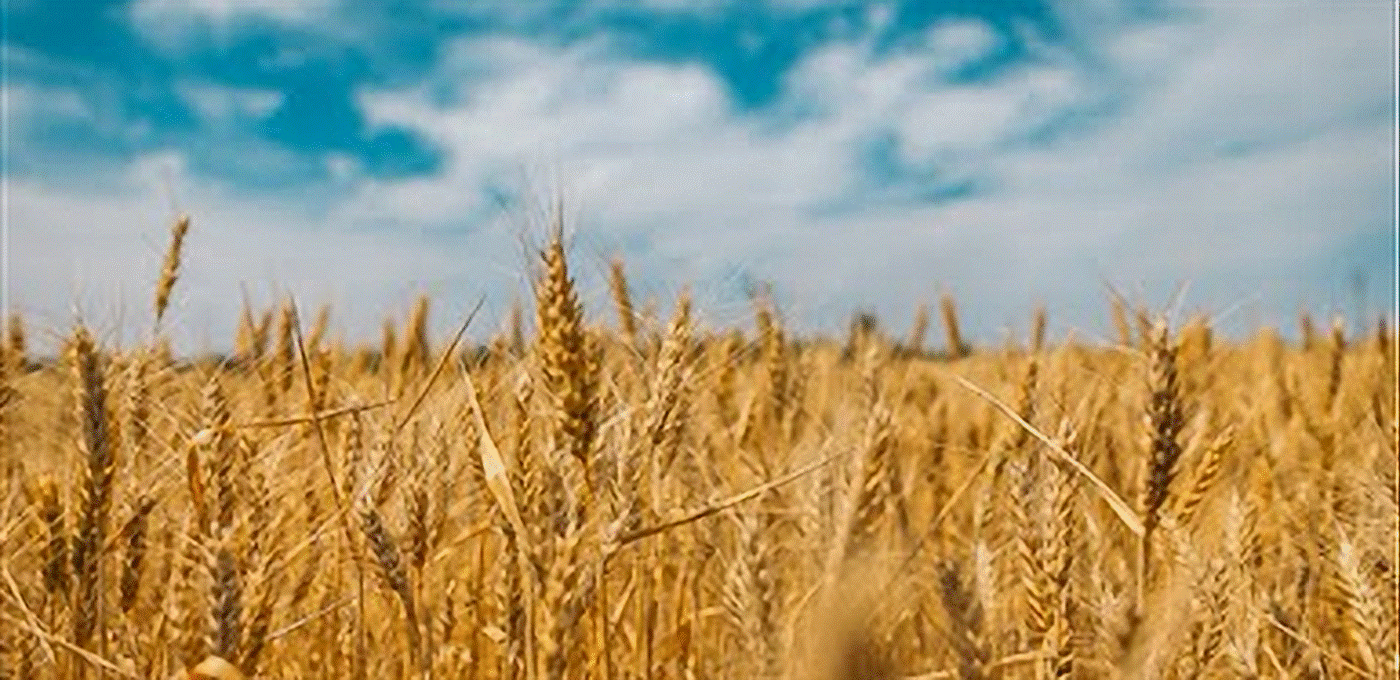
[620,496]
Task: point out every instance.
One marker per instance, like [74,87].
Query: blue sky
[1235,156]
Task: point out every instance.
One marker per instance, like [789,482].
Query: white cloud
[226,11]
[1147,195]
[227,105]
[1140,197]
[979,117]
[1298,68]
[32,102]
[960,42]
[879,16]
[174,24]
[98,252]
[36,110]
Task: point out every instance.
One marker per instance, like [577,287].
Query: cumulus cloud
[1248,152]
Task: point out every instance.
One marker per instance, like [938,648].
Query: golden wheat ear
[170,268]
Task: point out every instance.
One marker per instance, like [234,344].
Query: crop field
[613,495]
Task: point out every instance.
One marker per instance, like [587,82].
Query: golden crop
[668,501]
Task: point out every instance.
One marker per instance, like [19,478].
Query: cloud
[97,253]
[228,105]
[961,41]
[225,12]
[981,117]
[31,102]
[53,126]
[175,25]
[1249,153]
[1217,147]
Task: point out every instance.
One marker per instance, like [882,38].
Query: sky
[1234,158]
